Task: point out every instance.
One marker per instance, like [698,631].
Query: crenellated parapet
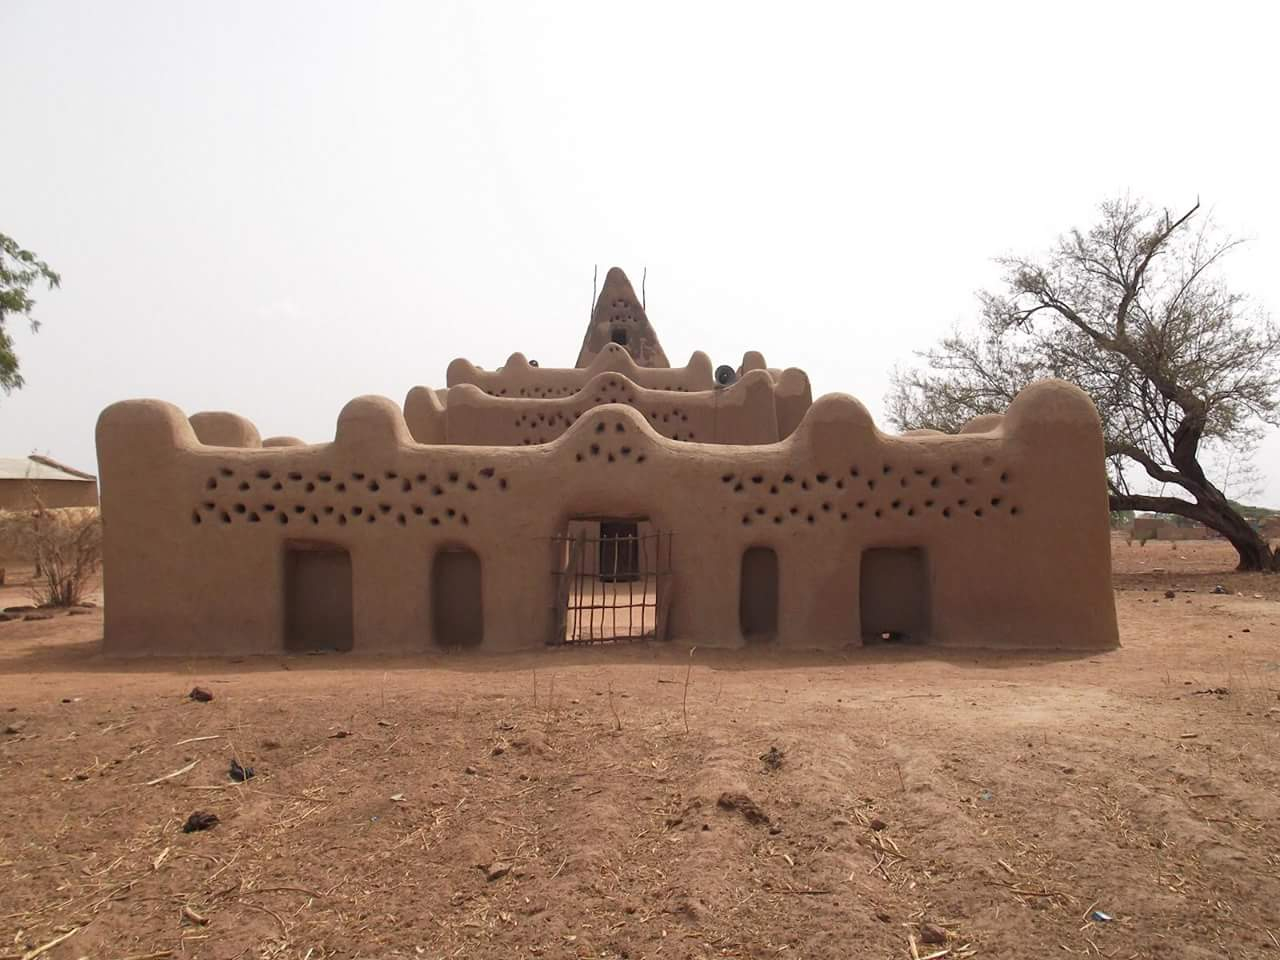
[519,378]
[203,537]
[746,412]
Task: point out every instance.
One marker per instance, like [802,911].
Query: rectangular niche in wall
[457,600]
[895,595]
[758,595]
[318,605]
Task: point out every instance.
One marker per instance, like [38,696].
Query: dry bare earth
[1018,793]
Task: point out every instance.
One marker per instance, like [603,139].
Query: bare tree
[1135,311]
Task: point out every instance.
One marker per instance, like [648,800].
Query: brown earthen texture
[619,318]
[995,537]
[22,494]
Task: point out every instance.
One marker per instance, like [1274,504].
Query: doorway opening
[457,598]
[895,595]
[318,605]
[611,581]
[758,595]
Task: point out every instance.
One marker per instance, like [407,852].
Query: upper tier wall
[747,412]
[518,378]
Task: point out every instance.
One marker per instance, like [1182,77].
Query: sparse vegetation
[65,545]
[1183,370]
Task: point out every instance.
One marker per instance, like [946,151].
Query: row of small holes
[282,517]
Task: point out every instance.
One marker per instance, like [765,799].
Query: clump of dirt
[742,803]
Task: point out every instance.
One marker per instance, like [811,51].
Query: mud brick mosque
[618,500]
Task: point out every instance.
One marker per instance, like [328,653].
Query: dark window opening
[895,595]
[619,551]
[318,607]
[619,336]
[457,599]
[758,595]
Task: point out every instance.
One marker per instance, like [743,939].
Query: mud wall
[1012,525]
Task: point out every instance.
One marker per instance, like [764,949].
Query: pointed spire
[618,318]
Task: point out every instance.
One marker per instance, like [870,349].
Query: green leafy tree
[1135,311]
[20,270]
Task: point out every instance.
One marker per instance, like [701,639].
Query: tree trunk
[1254,552]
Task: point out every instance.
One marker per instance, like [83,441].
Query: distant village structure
[620,499]
[27,483]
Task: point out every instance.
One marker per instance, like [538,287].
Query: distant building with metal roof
[24,480]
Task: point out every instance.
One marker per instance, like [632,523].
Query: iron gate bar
[576,587]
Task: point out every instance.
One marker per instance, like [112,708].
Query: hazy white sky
[274,207]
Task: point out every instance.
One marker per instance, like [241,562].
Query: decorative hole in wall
[946,511]
[244,486]
[1014,511]
[324,476]
[277,486]
[299,508]
[435,521]
[254,518]
[240,508]
[310,487]
[384,507]
[342,519]
[437,491]
[282,517]
[401,519]
[357,475]
[226,517]
[211,484]
[264,474]
[357,510]
[595,449]
[486,472]
[195,517]
[226,471]
[269,507]
[294,476]
[340,487]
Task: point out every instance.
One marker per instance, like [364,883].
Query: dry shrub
[66,545]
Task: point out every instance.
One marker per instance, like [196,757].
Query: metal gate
[621,596]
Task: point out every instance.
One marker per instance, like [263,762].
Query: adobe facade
[618,499]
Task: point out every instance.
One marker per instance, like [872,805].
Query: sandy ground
[566,804]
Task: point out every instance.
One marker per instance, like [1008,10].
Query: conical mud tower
[619,318]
